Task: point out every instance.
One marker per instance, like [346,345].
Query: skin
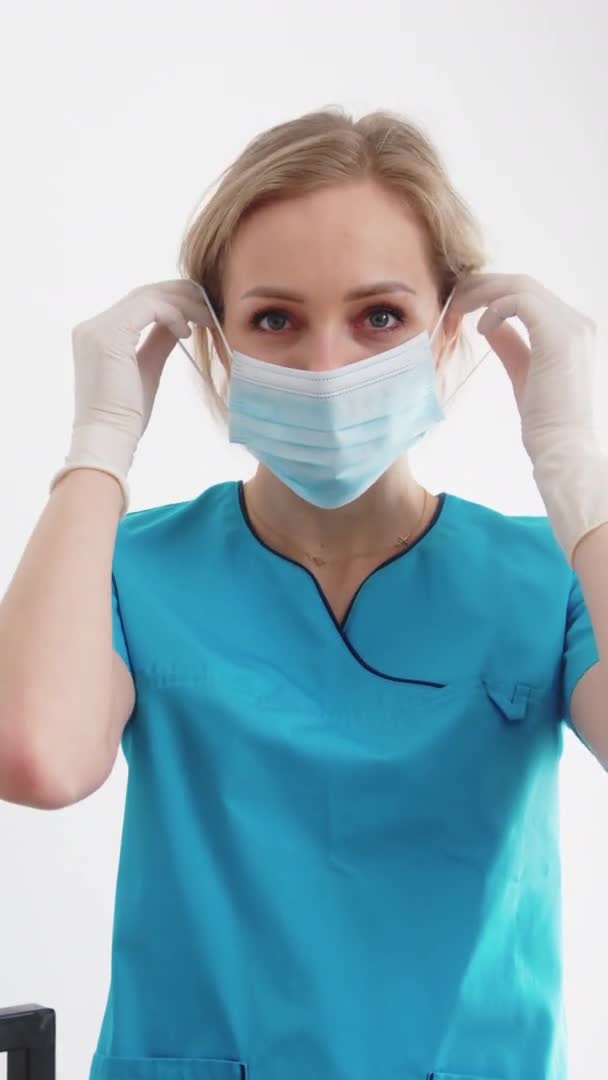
[320,245]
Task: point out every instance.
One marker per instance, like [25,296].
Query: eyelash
[396,312]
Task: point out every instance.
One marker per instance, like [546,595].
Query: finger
[509,345]
[196,311]
[153,352]
[185,290]
[480,290]
[191,306]
[514,355]
[533,311]
[507,282]
[151,358]
[495,299]
[196,289]
[179,285]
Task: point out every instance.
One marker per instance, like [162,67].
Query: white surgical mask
[329,435]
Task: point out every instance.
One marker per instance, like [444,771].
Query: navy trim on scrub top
[340,627]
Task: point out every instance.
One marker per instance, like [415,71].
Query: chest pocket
[436,770]
[104,1067]
[517,702]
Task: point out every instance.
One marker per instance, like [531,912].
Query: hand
[553,377]
[553,384]
[115,382]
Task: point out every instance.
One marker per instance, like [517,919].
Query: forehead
[355,232]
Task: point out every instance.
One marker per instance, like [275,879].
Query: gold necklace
[399,544]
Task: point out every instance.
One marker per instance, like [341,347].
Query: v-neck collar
[340,626]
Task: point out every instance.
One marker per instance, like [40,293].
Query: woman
[340,855]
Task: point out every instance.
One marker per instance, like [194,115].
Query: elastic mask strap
[213,321]
[445,307]
[466,380]
[443,311]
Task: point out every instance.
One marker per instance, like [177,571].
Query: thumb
[151,358]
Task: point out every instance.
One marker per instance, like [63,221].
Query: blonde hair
[316,150]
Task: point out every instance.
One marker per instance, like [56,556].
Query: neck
[390,508]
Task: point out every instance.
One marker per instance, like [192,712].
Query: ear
[449,335]
[220,349]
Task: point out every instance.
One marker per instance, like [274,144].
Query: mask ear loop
[467,378]
[458,388]
[213,321]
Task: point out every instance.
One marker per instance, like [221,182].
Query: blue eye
[395,312]
[257,316]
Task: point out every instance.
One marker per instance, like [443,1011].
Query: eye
[395,312]
[257,316]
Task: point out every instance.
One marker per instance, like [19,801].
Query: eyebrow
[360,293]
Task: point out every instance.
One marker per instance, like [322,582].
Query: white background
[115,118]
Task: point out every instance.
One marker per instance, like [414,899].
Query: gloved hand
[553,381]
[115,385]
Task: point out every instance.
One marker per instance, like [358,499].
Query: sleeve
[580,647]
[119,642]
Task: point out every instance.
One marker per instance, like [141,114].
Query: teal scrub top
[340,850]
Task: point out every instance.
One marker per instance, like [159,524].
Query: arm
[590,697]
[56,655]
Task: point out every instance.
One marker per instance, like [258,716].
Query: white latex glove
[553,381]
[115,385]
